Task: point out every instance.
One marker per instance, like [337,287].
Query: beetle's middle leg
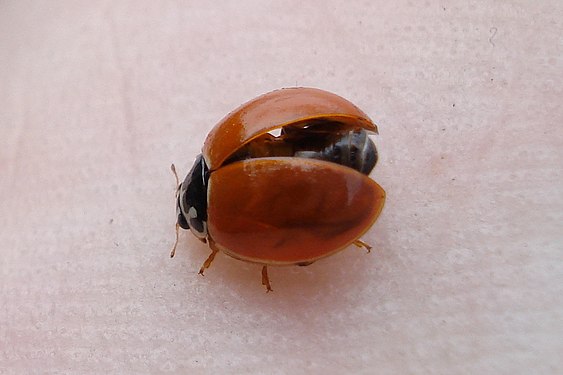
[209,260]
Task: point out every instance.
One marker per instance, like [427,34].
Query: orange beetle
[283,180]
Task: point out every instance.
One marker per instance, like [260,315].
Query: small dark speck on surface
[443,129]
[453,105]
[111,220]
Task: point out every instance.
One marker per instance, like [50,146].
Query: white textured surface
[96,100]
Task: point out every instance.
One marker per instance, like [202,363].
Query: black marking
[352,149]
[182,221]
[197,225]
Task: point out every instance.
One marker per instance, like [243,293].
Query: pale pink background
[98,98]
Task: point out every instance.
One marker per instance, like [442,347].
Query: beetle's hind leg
[266,279]
[360,244]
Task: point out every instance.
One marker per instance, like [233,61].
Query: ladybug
[283,180]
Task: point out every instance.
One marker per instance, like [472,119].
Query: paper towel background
[98,98]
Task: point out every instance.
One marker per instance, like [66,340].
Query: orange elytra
[283,180]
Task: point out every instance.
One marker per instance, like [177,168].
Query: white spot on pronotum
[275,132]
[192,213]
[182,193]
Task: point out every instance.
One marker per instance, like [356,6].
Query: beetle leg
[173,169]
[173,252]
[266,279]
[209,260]
[360,244]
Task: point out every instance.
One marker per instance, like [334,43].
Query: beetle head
[361,153]
[191,207]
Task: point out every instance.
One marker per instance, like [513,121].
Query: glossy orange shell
[273,111]
[285,210]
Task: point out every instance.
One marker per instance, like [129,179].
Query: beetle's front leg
[173,252]
[266,279]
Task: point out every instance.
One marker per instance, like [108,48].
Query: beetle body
[283,180]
